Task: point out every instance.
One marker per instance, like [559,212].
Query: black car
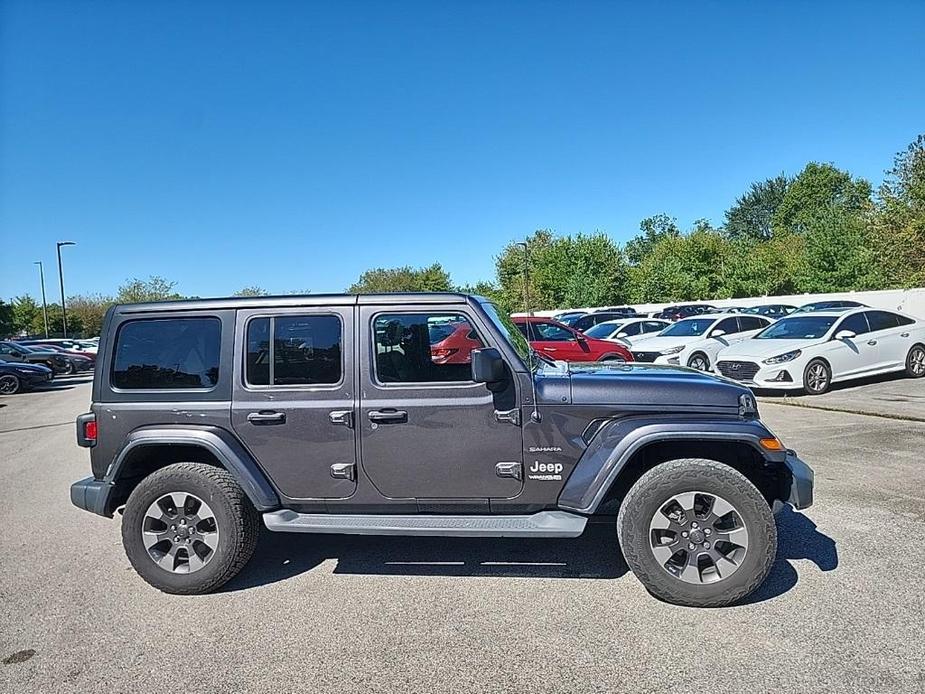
[593,319]
[771,310]
[829,306]
[58,362]
[16,377]
[684,311]
[569,317]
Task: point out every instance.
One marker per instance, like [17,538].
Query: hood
[658,343]
[761,349]
[25,366]
[648,386]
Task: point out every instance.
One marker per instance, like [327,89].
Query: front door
[294,398]
[558,343]
[427,431]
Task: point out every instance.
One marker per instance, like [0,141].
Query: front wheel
[699,361]
[189,528]
[9,384]
[817,377]
[696,532]
[915,362]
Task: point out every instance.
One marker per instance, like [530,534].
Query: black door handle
[266,417]
[388,416]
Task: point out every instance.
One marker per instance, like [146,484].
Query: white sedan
[628,330]
[810,351]
[696,341]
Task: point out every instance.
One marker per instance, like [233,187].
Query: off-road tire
[237,520]
[915,356]
[660,484]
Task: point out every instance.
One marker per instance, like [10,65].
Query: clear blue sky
[294,144]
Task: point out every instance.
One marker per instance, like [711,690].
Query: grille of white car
[739,370]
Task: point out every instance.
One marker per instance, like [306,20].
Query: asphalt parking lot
[842,610]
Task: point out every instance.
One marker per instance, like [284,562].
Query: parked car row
[774,346]
[26,364]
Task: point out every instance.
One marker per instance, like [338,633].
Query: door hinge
[342,417]
[509,416]
[343,471]
[514,470]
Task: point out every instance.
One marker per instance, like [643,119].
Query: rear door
[295,398]
[886,330]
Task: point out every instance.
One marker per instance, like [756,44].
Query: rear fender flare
[225,447]
[616,441]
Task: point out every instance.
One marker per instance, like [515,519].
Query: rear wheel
[817,377]
[71,368]
[9,384]
[697,532]
[188,528]
[915,362]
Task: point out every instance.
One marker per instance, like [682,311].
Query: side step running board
[543,524]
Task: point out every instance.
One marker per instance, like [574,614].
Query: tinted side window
[856,324]
[424,347]
[751,323]
[727,325]
[903,320]
[652,327]
[303,350]
[882,320]
[632,329]
[551,333]
[167,353]
[522,327]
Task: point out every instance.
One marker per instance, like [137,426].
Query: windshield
[798,328]
[22,349]
[602,330]
[507,328]
[688,328]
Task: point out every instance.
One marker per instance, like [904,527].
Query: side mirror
[845,334]
[487,365]
[621,334]
[717,333]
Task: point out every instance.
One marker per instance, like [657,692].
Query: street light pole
[61,282]
[44,303]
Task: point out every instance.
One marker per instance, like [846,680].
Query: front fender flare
[616,441]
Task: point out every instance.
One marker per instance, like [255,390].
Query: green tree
[252,291]
[751,214]
[654,229]
[403,279]
[682,268]
[762,268]
[839,255]
[155,288]
[89,310]
[817,193]
[26,315]
[899,219]
[6,319]
[516,286]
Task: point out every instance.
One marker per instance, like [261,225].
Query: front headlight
[25,372]
[673,350]
[781,358]
[748,406]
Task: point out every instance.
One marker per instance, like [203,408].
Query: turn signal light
[772,444]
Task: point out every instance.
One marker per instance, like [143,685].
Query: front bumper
[91,494]
[801,482]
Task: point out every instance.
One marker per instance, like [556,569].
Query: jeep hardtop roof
[300,300]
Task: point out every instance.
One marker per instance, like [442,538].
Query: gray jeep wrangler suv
[417,414]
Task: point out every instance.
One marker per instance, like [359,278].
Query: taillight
[86,430]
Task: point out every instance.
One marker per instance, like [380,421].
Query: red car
[559,341]
[452,343]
